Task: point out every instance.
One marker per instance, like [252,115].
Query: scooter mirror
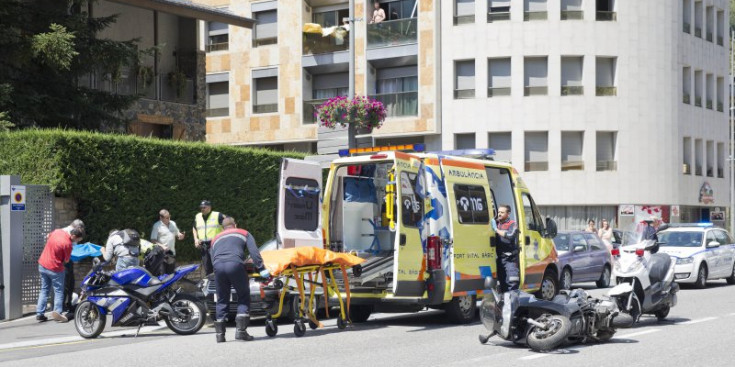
[490,283]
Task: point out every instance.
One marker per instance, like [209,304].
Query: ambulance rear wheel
[462,309]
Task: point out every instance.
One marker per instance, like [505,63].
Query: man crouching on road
[228,257]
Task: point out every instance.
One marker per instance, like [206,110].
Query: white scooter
[646,276]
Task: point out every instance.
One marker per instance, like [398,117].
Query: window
[698,17]
[330,18]
[533,218]
[687,16]
[412,208]
[719,92]
[472,206]
[607,151]
[721,160]
[687,156]
[698,88]
[572,143]
[698,164]
[720,26]
[606,76]
[498,77]
[710,237]
[594,242]
[579,244]
[464,141]
[535,74]
[265,87]
[218,95]
[501,143]
[571,10]
[710,146]
[397,89]
[498,10]
[710,84]
[218,36]
[686,83]
[722,237]
[464,79]
[302,211]
[464,11]
[534,10]
[400,9]
[571,75]
[606,10]
[710,14]
[266,28]
[536,151]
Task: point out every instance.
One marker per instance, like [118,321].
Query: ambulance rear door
[408,279]
[299,204]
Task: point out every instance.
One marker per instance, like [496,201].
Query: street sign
[17,198]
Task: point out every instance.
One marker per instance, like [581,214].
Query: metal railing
[719,106]
[607,165]
[609,16]
[498,91]
[316,44]
[709,36]
[606,91]
[709,104]
[535,91]
[698,101]
[536,166]
[572,165]
[572,90]
[265,108]
[218,112]
[310,109]
[497,16]
[698,32]
[464,93]
[464,19]
[687,28]
[572,15]
[224,46]
[686,169]
[687,99]
[399,104]
[535,15]
[178,94]
[392,33]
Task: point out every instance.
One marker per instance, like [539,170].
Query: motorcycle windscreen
[299,204]
[409,264]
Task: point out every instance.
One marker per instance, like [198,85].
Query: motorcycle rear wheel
[557,329]
[193,315]
[88,320]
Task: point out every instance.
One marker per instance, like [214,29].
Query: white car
[702,253]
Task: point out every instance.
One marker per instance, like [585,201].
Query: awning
[189,9]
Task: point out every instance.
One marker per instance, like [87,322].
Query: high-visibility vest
[207,230]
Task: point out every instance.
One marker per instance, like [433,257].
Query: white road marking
[67,339]
[644,332]
[533,356]
[697,321]
[732,314]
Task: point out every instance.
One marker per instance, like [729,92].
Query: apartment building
[610,109]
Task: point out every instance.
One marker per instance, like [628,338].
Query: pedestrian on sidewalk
[55,254]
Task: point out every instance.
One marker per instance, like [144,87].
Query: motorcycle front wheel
[88,320]
[191,315]
[555,331]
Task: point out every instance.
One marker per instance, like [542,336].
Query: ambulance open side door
[299,204]
[408,279]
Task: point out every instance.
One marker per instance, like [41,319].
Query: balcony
[719,106]
[606,16]
[499,91]
[498,16]
[265,108]
[572,165]
[536,166]
[535,15]
[698,101]
[392,33]
[315,44]
[464,19]
[686,99]
[698,32]
[709,36]
[687,28]
[719,40]
[173,91]
[535,91]
[224,46]
[567,90]
[218,112]
[606,91]
[399,104]
[709,104]
[464,93]
[698,170]
[607,166]
[310,108]
[572,15]
[686,169]
[720,173]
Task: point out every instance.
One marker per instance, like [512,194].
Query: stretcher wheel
[312,325]
[299,329]
[341,323]
[271,328]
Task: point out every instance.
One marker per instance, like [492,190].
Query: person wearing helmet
[125,245]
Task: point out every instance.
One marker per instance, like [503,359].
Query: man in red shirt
[51,267]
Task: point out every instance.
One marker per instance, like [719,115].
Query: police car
[702,253]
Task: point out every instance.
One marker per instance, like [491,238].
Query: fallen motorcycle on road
[571,317]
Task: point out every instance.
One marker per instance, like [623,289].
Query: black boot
[219,329]
[241,324]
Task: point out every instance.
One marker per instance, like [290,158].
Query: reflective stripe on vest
[506,225]
[207,230]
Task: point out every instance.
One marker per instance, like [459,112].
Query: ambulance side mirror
[551,229]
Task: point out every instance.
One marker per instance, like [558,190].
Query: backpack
[154,261]
[131,240]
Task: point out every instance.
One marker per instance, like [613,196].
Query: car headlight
[684,260]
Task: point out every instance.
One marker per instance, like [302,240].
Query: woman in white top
[606,233]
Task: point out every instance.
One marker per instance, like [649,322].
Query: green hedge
[123,181]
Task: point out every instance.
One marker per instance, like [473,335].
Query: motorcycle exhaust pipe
[537,324]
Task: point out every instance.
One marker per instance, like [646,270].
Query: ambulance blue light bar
[700,224]
[470,153]
[403,147]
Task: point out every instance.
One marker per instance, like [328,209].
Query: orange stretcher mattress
[276,261]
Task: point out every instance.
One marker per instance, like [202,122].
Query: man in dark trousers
[228,257]
[506,231]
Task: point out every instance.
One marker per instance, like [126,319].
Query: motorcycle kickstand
[138,331]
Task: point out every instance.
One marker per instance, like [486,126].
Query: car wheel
[701,277]
[604,280]
[566,279]
[731,278]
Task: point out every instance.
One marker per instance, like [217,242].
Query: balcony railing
[572,165]
[719,40]
[310,110]
[392,33]
[698,101]
[536,166]
[719,106]
[499,91]
[687,28]
[497,16]
[606,91]
[607,165]
[224,46]
[686,169]
[710,172]
[183,93]
[535,15]
[709,104]
[720,173]
[399,104]
[687,99]
[698,32]
[464,93]
[218,112]
[709,36]
[608,16]
[535,91]
[572,90]
[316,44]
[698,170]
[464,19]
[572,15]
[265,108]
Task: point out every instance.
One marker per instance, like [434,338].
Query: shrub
[123,181]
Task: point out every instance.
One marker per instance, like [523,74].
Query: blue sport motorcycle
[133,297]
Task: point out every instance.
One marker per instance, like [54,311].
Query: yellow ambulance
[422,222]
